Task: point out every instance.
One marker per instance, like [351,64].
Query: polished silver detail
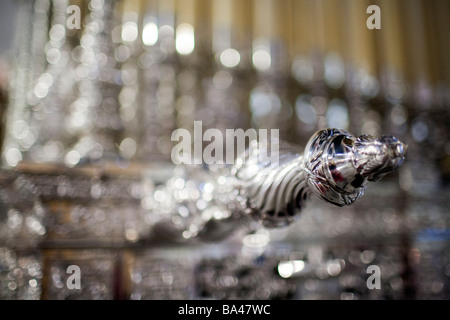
[339,164]
[274,192]
[211,203]
[335,166]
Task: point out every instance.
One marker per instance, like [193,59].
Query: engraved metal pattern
[335,166]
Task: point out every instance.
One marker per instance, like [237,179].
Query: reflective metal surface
[87,178]
[335,166]
[339,164]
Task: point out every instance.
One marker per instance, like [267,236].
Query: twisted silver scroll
[335,166]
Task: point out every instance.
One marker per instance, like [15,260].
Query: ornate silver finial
[334,166]
[339,165]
